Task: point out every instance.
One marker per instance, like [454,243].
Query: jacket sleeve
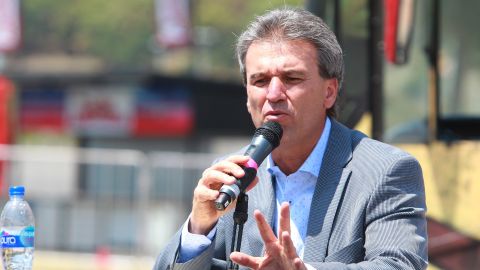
[212,258]
[395,225]
[167,258]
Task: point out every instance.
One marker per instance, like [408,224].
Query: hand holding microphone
[223,181]
[265,139]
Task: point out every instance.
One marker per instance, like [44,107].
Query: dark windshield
[459,59]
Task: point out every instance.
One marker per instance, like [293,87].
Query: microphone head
[271,131]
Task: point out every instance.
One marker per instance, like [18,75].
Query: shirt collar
[314,161]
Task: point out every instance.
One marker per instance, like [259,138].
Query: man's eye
[293,80]
[260,82]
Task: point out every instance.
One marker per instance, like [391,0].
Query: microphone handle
[227,196]
[247,179]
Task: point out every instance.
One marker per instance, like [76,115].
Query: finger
[299,265]
[265,231]
[232,165]
[245,260]
[203,194]
[284,219]
[288,246]
[239,159]
[285,216]
[214,179]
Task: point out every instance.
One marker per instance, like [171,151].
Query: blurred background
[110,111]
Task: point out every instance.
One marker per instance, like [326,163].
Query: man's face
[284,85]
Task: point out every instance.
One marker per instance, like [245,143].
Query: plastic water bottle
[18,232]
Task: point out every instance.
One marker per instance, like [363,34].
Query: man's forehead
[280,44]
[297,48]
[286,56]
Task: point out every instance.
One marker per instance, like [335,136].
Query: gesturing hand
[280,254]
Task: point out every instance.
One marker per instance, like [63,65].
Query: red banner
[163,112]
[391,28]
[6,95]
[42,110]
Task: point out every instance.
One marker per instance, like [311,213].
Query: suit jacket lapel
[266,202]
[262,197]
[328,192]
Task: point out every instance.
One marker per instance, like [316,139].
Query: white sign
[172,19]
[9,25]
[105,111]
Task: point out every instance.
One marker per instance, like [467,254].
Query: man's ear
[331,92]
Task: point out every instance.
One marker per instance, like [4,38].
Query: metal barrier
[89,200]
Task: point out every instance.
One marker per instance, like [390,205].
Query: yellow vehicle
[419,92]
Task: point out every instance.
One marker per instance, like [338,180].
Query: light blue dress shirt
[296,188]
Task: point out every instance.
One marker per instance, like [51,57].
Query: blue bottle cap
[17,190]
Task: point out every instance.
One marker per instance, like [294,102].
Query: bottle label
[26,238]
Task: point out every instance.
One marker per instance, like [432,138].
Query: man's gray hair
[296,24]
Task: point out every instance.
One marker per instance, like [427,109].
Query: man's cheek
[252,106]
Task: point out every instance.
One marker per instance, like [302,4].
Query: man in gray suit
[328,197]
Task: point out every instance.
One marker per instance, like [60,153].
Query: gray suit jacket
[367,212]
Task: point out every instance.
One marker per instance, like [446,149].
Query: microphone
[265,139]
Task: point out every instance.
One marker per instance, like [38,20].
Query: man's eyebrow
[300,73]
[256,75]
[294,73]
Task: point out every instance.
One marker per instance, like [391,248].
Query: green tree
[120,32]
[115,31]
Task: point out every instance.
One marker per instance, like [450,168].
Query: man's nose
[276,90]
